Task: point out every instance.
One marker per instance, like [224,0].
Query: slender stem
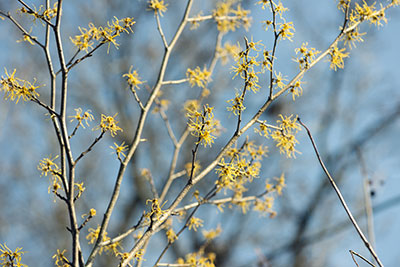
[161,31]
[342,201]
[352,253]
[76,258]
[175,81]
[96,140]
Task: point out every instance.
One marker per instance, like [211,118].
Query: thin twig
[74,131]
[220,201]
[276,37]
[33,11]
[178,174]
[352,253]
[96,140]
[24,32]
[342,201]
[161,31]
[125,234]
[136,97]
[166,121]
[269,125]
[175,81]
[150,179]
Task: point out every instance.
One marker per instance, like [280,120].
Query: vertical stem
[67,154]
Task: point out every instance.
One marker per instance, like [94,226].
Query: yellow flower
[236,104]
[80,188]
[156,211]
[285,137]
[212,234]
[296,89]
[27,38]
[108,123]
[263,129]
[198,77]
[158,6]
[286,31]
[15,88]
[132,78]
[120,149]
[264,3]
[171,235]
[279,80]
[337,56]
[307,56]
[11,258]
[47,165]
[87,116]
[279,8]
[203,125]
[195,223]
[353,36]
[60,259]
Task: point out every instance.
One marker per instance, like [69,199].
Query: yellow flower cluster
[236,103]
[198,77]
[198,259]
[212,234]
[306,56]
[285,136]
[133,79]
[158,6]
[360,12]
[226,52]
[286,29]
[240,167]
[120,149]
[352,37]
[245,66]
[171,235]
[265,206]
[279,80]
[296,90]
[195,223]
[263,129]
[265,203]
[155,211]
[47,165]
[15,88]
[110,249]
[337,55]
[368,12]
[42,13]
[11,258]
[202,124]
[92,213]
[87,116]
[60,259]
[107,34]
[108,123]
[228,18]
